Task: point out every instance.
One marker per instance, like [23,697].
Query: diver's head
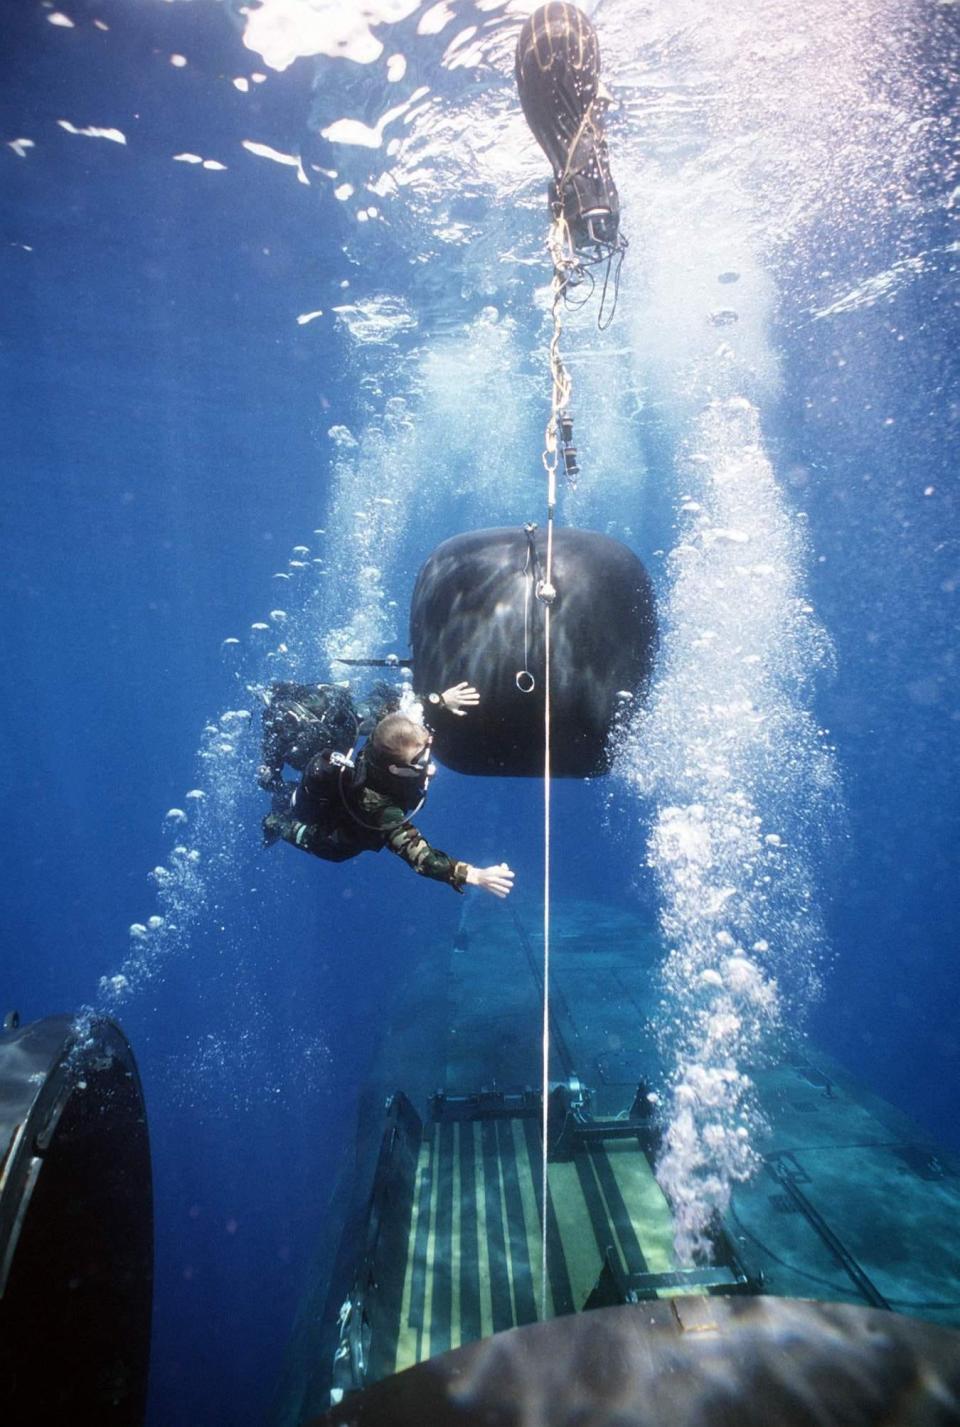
[401,747]
[397,760]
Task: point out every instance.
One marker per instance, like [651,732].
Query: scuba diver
[341,806]
[564,102]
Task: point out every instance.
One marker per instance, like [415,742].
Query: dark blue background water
[163,448]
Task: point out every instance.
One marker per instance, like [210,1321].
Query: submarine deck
[469,1261]
[855,1202]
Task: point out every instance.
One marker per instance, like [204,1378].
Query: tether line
[546,594]
[545,1068]
[559,246]
[567,267]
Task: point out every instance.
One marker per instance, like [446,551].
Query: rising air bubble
[725,746]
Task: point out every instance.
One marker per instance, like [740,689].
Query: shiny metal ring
[526,683]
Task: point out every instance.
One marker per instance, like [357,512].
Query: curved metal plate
[76,1225]
[689,1362]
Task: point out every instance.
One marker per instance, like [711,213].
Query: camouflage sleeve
[408,842]
[412,846]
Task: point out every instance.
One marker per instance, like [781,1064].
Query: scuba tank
[327,822]
[320,795]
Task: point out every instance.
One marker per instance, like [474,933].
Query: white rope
[547,594]
[545,1070]
[559,399]
[565,266]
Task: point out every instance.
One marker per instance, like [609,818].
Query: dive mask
[419,766]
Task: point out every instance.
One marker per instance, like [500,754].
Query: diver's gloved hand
[460,698]
[498,880]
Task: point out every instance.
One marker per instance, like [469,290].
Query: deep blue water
[165,446]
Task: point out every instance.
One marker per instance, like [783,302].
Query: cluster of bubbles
[349,614]
[210,831]
[273,647]
[226,1068]
[333,607]
[180,895]
[207,827]
[378,319]
[742,782]
[729,165]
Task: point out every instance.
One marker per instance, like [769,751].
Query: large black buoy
[558,80]
[475,615]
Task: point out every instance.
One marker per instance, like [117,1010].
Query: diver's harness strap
[337,767]
[346,763]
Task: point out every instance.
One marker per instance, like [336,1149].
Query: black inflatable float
[558,79]
[471,602]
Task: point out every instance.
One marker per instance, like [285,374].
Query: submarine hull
[76,1226]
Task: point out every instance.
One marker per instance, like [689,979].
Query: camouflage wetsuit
[369,821]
